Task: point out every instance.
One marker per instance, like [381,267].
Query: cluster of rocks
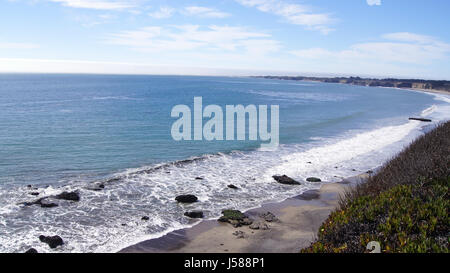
[286,180]
[235,218]
[50,201]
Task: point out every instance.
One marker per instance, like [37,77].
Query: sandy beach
[299,219]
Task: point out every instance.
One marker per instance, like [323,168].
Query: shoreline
[299,220]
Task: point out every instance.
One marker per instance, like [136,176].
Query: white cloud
[96,4]
[163,12]
[185,38]
[293,13]
[374,2]
[404,47]
[205,12]
[5,45]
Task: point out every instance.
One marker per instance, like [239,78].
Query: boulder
[145,218]
[313,179]
[188,198]
[70,196]
[231,186]
[194,214]
[31,250]
[286,180]
[52,241]
[34,193]
[199,178]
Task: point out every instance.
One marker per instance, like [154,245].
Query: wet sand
[299,220]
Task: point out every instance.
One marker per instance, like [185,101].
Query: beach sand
[299,220]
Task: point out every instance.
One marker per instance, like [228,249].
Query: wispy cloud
[96,4]
[185,38]
[293,13]
[373,2]
[403,47]
[162,13]
[205,12]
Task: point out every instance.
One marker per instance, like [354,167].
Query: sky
[374,38]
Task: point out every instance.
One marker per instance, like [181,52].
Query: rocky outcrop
[235,218]
[194,214]
[52,241]
[231,186]
[145,218]
[188,198]
[286,180]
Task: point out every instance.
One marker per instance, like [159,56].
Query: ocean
[74,132]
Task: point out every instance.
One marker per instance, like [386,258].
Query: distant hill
[397,83]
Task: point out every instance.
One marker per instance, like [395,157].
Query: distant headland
[427,85]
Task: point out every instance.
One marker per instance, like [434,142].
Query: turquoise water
[70,132]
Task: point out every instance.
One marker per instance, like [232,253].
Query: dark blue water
[60,132]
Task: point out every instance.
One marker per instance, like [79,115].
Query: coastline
[299,220]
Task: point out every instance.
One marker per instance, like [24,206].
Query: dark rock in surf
[31,250]
[188,198]
[286,180]
[313,179]
[231,186]
[199,178]
[34,193]
[52,241]
[69,196]
[145,218]
[421,119]
[194,214]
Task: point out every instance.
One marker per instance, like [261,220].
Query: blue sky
[381,38]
